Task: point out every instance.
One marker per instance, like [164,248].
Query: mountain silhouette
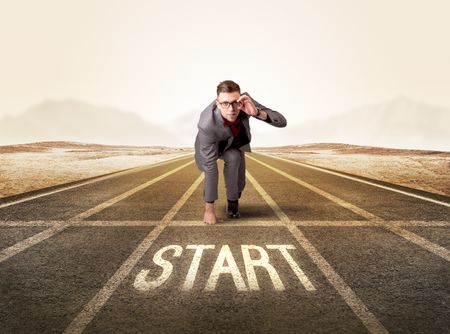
[73,120]
[396,123]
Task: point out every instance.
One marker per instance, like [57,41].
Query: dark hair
[228,86]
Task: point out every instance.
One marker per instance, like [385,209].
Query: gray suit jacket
[213,138]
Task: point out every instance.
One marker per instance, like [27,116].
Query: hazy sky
[161,59]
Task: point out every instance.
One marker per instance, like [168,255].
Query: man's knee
[232,156]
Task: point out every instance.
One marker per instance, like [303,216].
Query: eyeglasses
[227,104]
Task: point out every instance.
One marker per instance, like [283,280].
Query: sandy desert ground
[418,169]
[33,166]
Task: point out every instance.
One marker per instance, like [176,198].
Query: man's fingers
[243,97]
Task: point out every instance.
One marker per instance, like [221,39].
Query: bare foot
[210,218]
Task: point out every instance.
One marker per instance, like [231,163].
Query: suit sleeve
[208,151]
[274,117]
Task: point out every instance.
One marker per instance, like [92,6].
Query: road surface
[314,251]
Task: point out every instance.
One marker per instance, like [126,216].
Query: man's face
[231,112]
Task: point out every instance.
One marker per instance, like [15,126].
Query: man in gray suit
[224,133]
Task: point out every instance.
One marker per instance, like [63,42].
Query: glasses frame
[226,104]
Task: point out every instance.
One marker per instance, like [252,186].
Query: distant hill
[337,148]
[73,120]
[397,123]
[47,146]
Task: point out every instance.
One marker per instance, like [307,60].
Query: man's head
[228,92]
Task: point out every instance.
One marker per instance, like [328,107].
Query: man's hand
[247,105]
[210,214]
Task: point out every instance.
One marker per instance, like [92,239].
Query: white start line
[225,264]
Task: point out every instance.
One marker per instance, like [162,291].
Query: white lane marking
[335,199]
[95,179]
[128,193]
[294,266]
[419,241]
[116,223]
[361,181]
[363,223]
[418,223]
[219,268]
[228,223]
[33,240]
[141,283]
[132,223]
[34,223]
[254,223]
[263,262]
[337,223]
[96,303]
[193,269]
[361,311]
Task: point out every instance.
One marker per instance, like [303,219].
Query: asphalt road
[314,252]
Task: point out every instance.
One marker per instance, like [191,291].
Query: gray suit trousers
[234,172]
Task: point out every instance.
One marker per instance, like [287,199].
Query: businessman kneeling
[224,133]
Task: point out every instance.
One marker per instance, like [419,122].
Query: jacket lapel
[223,132]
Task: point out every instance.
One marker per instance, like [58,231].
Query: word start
[225,265]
